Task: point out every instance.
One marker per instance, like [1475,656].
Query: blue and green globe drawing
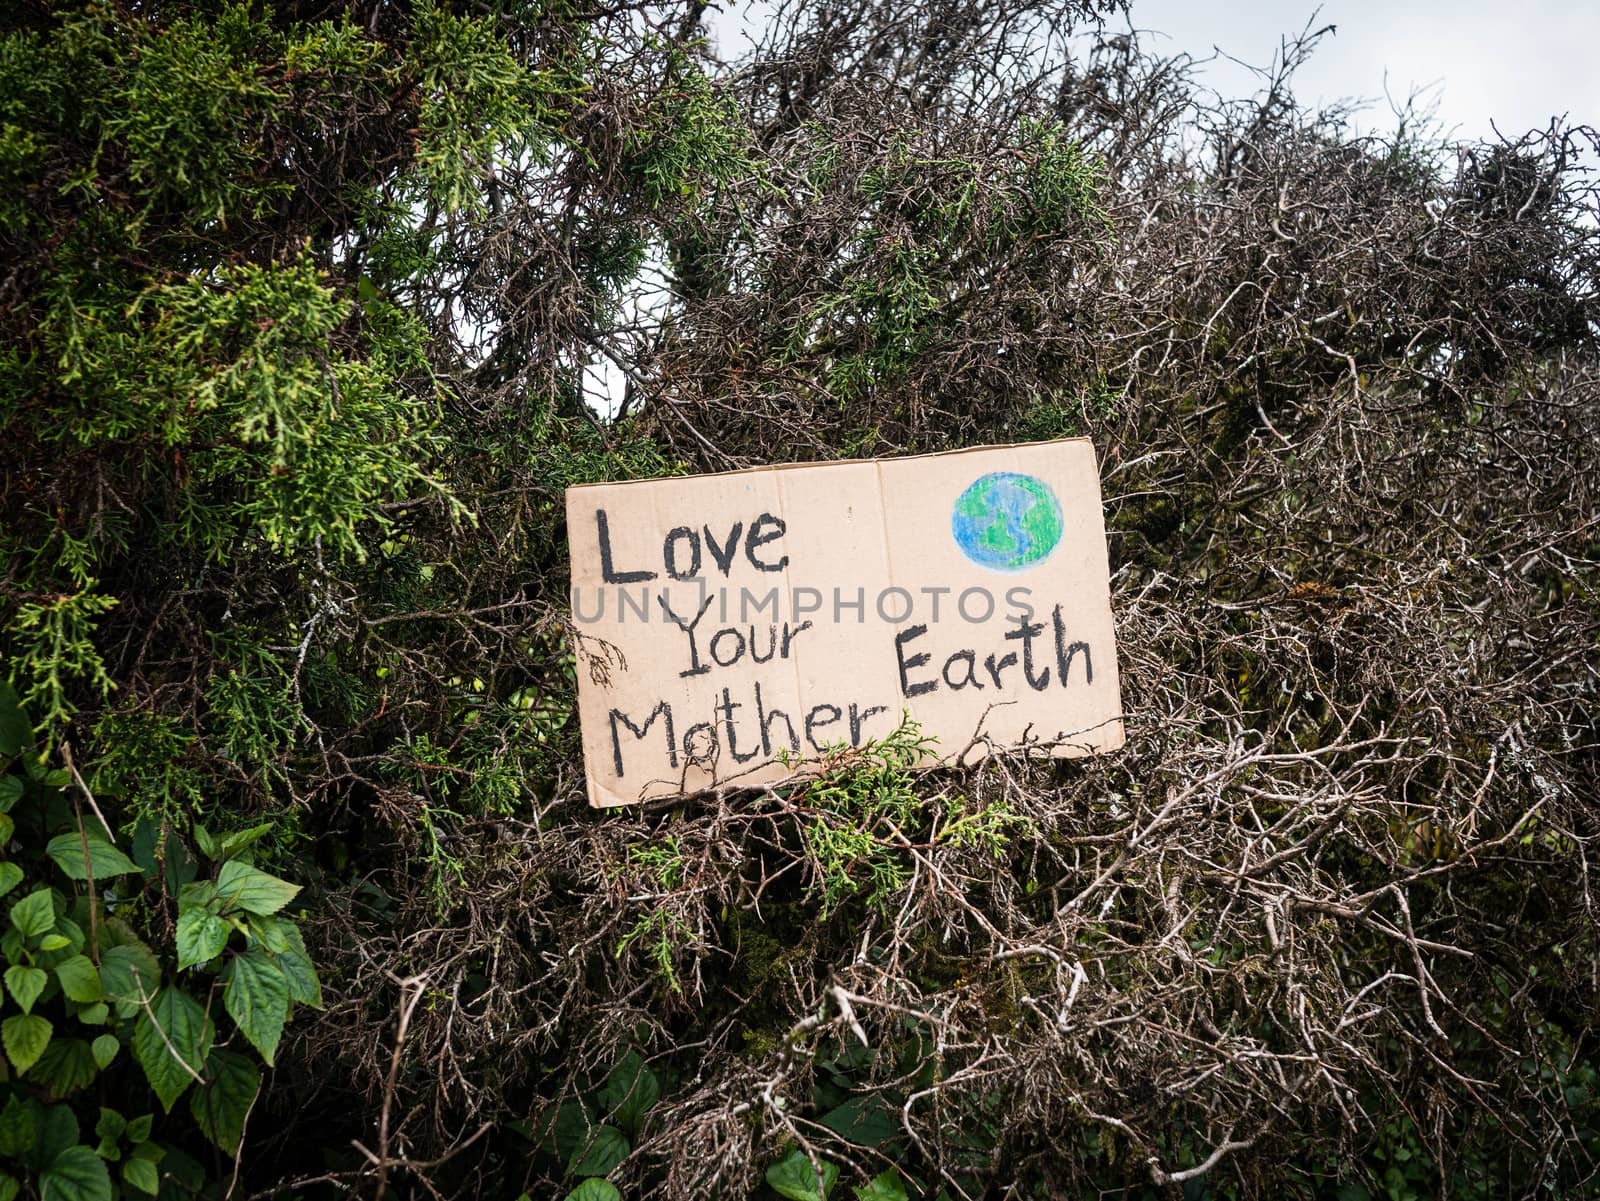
[1007,521]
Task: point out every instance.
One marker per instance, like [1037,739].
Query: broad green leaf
[70,925]
[104,1049]
[605,1151]
[256,996]
[184,1173]
[10,792]
[173,1022]
[105,860]
[7,826]
[58,1130]
[9,1188]
[243,887]
[868,1120]
[142,1175]
[129,972]
[66,1066]
[25,984]
[243,840]
[110,1125]
[203,840]
[80,980]
[25,1035]
[568,1131]
[17,1135]
[95,1014]
[885,1186]
[595,1189]
[15,732]
[271,933]
[222,1104]
[631,1089]
[139,1128]
[793,1177]
[35,914]
[10,877]
[197,894]
[76,1174]
[302,977]
[54,942]
[201,937]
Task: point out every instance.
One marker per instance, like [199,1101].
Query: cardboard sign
[732,627]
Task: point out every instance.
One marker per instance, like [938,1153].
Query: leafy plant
[93,989]
[592,1134]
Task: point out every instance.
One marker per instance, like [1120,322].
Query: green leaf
[142,1175]
[256,996]
[80,980]
[15,732]
[243,840]
[95,1014]
[197,894]
[110,1125]
[605,1151]
[54,942]
[76,1174]
[35,914]
[8,827]
[105,859]
[203,840]
[17,1134]
[243,887]
[222,1104]
[10,792]
[9,1188]
[25,984]
[631,1089]
[25,1035]
[568,1131]
[302,978]
[868,1120]
[793,1177]
[129,973]
[595,1189]
[58,1130]
[10,877]
[885,1186]
[188,1032]
[139,1128]
[66,1066]
[271,933]
[201,937]
[104,1049]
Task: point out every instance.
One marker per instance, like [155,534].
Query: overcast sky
[1515,64]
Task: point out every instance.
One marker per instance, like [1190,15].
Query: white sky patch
[644,305]
[1514,66]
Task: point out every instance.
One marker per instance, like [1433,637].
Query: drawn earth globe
[1007,521]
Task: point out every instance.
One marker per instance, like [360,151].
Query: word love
[681,549]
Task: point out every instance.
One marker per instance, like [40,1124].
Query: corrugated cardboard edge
[603,798]
[932,454]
